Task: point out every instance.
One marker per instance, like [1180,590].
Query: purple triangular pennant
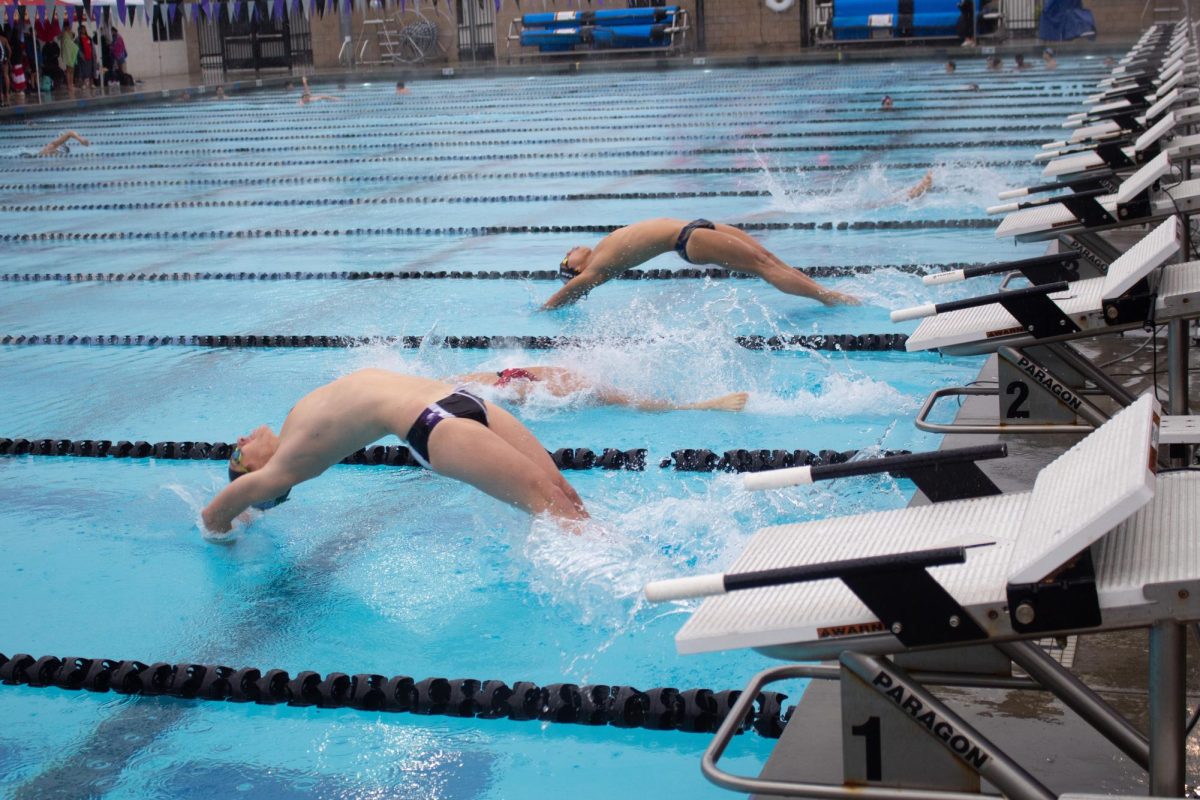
[172,11]
[121,11]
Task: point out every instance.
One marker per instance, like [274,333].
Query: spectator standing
[69,48]
[87,57]
[119,53]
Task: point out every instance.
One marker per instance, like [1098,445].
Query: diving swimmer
[696,242]
[448,430]
[560,382]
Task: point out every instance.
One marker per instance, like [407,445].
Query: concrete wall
[151,59]
[1119,21]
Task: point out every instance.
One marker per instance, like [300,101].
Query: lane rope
[865,342]
[714,273]
[692,710]
[687,459]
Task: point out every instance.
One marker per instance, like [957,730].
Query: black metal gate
[476,30]
[249,39]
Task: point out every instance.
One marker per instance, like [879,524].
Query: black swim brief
[461,404]
[686,233]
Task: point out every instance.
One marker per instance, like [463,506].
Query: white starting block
[1100,543]
[1042,377]
[1085,213]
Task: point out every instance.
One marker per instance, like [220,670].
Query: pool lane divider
[565,458]
[865,342]
[463,176]
[691,710]
[683,273]
[394,200]
[390,143]
[486,230]
[364,131]
[59,165]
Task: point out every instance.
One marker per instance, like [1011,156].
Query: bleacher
[659,29]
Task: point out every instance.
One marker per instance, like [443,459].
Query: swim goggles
[565,273]
[237,469]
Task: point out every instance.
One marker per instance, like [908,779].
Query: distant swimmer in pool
[448,430]
[696,242]
[922,186]
[306,95]
[560,382]
[59,146]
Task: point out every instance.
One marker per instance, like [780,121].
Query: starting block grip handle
[950,276]
[777,478]
[1011,294]
[721,583]
[685,588]
[916,312]
[1009,194]
[794,476]
[908,461]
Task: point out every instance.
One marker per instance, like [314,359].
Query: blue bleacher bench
[626,29]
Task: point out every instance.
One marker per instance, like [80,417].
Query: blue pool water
[398,571]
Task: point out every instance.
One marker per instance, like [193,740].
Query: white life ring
[779,6]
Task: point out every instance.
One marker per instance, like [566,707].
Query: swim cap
[507,376]
[565,273]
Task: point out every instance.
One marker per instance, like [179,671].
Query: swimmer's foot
[735,401]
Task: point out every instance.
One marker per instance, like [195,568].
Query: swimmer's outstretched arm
[574,290]
[256,487]
[735,401]
[63,139]
[922,187]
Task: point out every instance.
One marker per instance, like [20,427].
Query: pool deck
[1035,728]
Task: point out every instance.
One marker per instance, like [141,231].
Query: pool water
[398,571]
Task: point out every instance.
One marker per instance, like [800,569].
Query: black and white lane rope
[565,458]
[287,180]
[864,342]
[482,230]
[682,273]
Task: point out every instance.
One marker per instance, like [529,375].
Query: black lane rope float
[714,273]
[864,342]
[621,105]
[590,141]
[471,176]
[691,710]
[304,125]
[490,230]
[687,459]
[379,142]
[325,202]
[363,131]
[394,159]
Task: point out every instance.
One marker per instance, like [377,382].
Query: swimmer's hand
[831,298]
[213,533]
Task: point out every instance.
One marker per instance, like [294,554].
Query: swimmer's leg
[510,429]
[738,251]
[469,452]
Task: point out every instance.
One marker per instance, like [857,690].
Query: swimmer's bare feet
[735,401]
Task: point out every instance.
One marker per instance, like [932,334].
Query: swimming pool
[394,571]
